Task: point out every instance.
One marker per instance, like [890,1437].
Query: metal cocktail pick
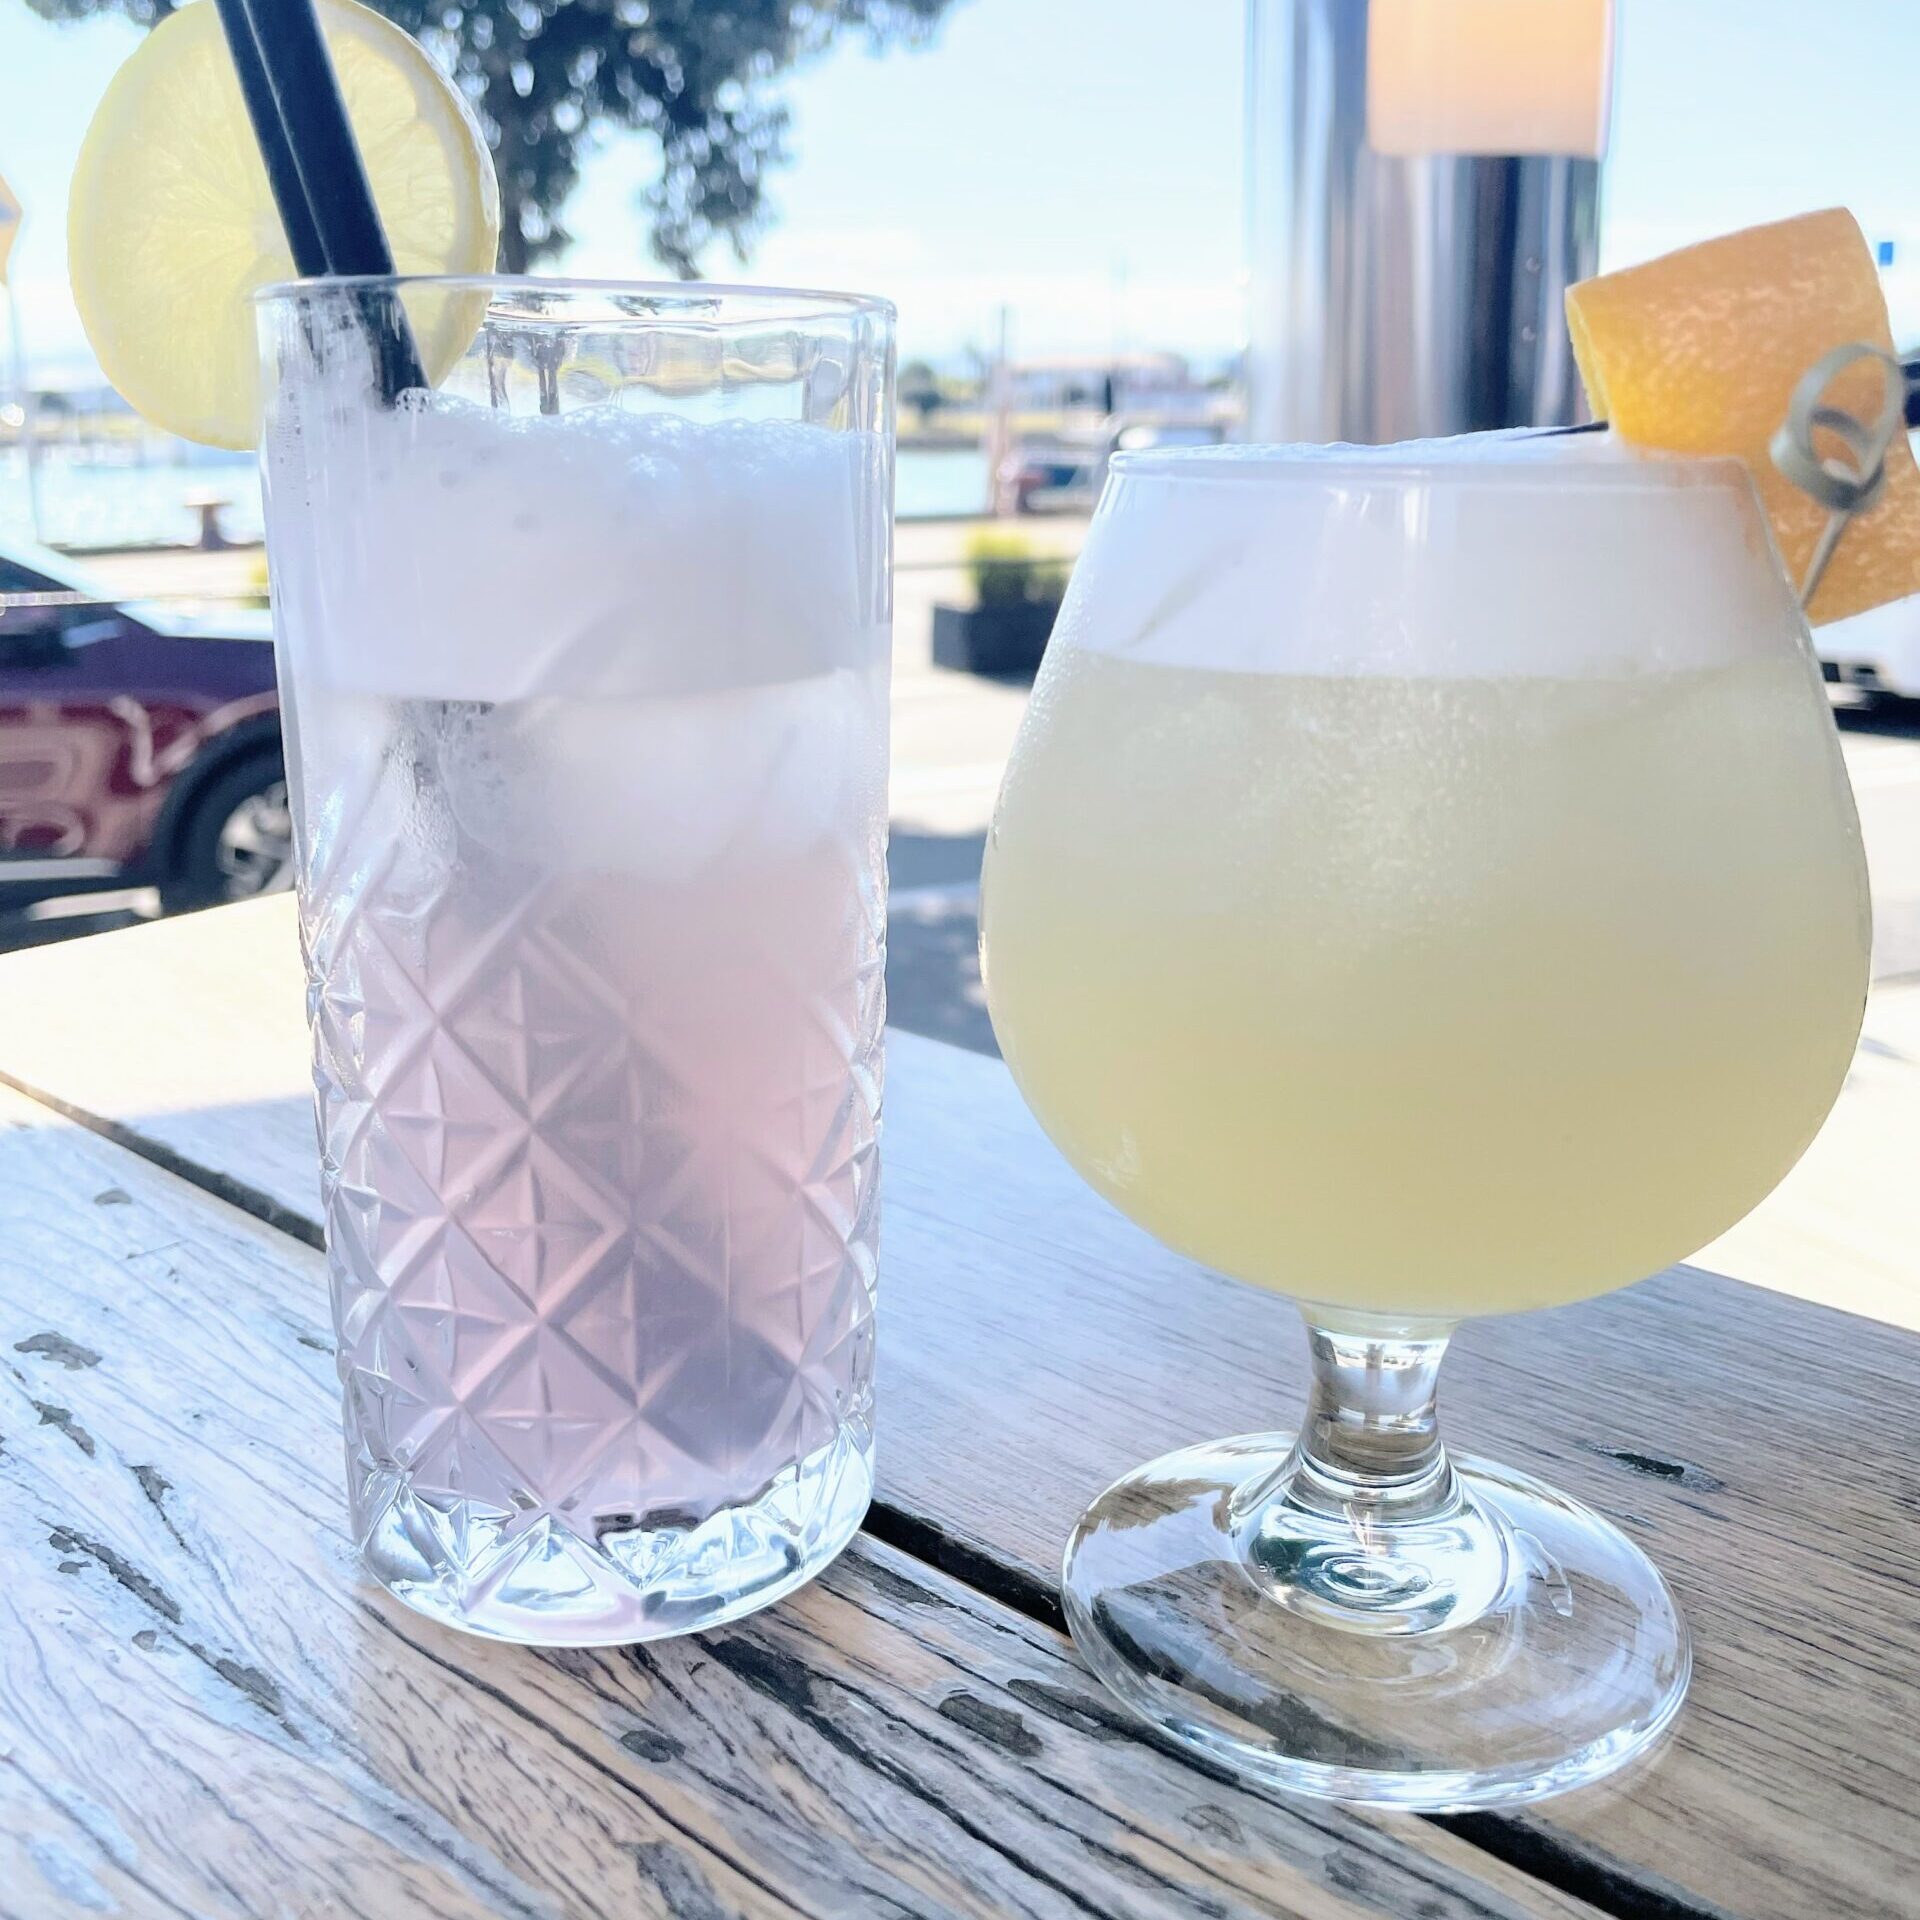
[1844,486]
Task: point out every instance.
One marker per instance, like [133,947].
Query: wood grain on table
[1034,1345]
[206,1710]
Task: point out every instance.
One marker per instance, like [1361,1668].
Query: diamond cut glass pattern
[590,1296]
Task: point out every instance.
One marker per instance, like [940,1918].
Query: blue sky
[1080,160]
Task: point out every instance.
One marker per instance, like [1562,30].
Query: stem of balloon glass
[1371,1436]
[1367,1525]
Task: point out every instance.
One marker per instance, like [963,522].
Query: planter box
[998,639]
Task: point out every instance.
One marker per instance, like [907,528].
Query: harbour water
[89,502]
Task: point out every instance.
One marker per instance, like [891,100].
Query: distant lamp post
[1422,185]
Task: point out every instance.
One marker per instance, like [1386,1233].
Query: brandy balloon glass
[1426,884]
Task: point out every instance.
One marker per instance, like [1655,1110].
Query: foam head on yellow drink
[1426,881]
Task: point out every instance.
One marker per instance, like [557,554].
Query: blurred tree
[920,389]
[546,76]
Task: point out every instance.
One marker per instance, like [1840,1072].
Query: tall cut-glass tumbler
[583,663]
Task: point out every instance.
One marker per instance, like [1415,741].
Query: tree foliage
[546,77]
[920,389]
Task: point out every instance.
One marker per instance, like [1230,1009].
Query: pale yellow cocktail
[1430,996]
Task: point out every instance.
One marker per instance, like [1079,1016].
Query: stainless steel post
[1393,297]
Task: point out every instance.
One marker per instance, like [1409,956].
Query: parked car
[1055,476]
[138,747]
[1051,477]
[1878,650]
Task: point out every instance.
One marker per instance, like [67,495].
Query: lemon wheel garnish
[171,225]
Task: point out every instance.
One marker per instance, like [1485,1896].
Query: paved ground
[1882,742]
[951,736]
[1843,1228]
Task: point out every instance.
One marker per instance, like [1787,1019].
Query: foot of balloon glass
[1500,1644]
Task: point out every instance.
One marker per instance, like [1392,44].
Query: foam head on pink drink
[589,554]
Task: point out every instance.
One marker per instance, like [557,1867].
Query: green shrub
[1006,571]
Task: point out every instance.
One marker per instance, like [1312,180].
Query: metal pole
[1394,297]
[29,410]
[1000,414]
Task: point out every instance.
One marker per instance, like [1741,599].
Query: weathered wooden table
[205,1711]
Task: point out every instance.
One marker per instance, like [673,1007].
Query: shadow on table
[21,926]
[933,939]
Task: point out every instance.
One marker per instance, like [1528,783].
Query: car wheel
[238,840]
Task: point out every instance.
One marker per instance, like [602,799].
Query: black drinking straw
[283,176]
[314,167]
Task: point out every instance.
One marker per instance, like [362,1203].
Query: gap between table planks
[205,1710]
[1034,1344]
